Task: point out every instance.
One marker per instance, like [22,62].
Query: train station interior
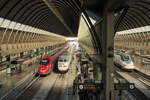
[74,49]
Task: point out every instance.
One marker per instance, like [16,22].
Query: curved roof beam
[123,26]
[58,15]
[25,9]
[10,7]
[35,14]
[144,11]
[42,17]
[32,12]
[136,20]
[4,3]
[17,9]
[137,12]
[66,4]
[129,20]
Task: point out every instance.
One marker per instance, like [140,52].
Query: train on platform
[64,60]
[123,61]
[48,63]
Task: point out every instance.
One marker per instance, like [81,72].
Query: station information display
[89,86]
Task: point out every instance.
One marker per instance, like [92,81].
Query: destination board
[89,86]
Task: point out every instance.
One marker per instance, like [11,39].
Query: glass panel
[12,25]
[26,28]
[17,26]
[5,23]
[44,62]
[1,20]
[22,27]
[125,57]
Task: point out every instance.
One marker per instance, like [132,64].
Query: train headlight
[131,64]
[123,63]
[80,87]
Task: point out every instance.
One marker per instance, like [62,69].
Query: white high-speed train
[124,61]
[64,60]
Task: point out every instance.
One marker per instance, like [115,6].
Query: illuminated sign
[89,86]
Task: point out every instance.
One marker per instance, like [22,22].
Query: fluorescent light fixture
[135,30]
[72,38]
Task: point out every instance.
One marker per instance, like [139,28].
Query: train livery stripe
[57,54]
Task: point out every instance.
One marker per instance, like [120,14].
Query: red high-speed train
[47,64]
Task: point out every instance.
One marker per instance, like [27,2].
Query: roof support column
[107,54]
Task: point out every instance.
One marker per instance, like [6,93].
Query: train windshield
[66,59]
[44,62]
[125,57]
[63,59]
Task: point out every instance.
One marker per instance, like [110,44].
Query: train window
[90,70]
[65,60]
[44,62]
[125,57]
[60,60]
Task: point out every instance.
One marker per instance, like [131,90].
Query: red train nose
[43,68]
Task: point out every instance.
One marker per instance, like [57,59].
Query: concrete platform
[71,76]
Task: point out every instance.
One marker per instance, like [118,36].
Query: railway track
[50,87]
[59,87]
[141,78]
[20,87]
[27,87]
[141,91]
[137,75]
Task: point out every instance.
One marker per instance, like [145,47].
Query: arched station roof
[40,13]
